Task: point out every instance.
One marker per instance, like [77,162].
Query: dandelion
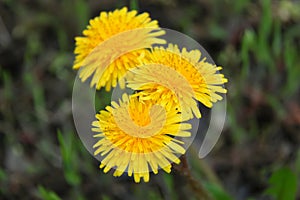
[139,137]
[111,45]
[179,78]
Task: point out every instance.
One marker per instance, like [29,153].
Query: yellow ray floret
[139,137]
[179,78]
[111,45]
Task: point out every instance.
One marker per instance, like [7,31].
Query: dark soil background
[256,42]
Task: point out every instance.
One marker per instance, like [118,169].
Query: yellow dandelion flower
[111,44]
[139,137]
[178,78]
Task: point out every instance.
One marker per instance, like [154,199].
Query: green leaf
[264,32]
[69,159]
[38,94]
[217,31]
[3,175]
[47,195]
[283,185]
[277,38]
[297,163]
[241,5]
[217,192]
[291,60]
[8,86]
[82,12]
[169,182]
[247,45]
[105,197]
[134,4]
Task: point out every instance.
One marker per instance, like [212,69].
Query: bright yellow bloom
[111,45]
[178,78]
[139,137]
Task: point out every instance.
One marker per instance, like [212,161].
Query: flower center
[137,122]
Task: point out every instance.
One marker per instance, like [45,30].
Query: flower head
[110,45]
[139,137]
[179,78]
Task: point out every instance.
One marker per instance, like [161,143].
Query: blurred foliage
[257,156]
[69,159]
[47,195]
[283,185]
[217,193]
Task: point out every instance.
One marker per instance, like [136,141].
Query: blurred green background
[257,156]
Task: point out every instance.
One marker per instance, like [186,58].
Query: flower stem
[195,185]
